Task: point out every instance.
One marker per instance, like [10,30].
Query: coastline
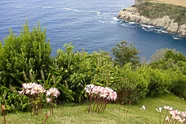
[140,14]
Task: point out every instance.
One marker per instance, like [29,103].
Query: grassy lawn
[114,114]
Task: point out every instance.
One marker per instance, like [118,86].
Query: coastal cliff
[170,17]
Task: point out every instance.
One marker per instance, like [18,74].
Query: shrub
[178,86]
[159,82]
[130,86]
[28,51]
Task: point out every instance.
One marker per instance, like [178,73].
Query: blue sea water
[89,24]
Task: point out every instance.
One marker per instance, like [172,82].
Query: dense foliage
[26,58]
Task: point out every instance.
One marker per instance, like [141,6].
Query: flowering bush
[99,96]
[33,91]
[50,95]
[172,116]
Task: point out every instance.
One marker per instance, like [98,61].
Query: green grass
[158,10]
[114,114]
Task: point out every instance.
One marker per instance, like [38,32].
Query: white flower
[48,99]
[53,92]
[159,109]
[167,119]
[143,107]
[168,108]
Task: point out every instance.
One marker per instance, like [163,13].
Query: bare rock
[165,21]
[135,18]
[182,30]
[124,15]
[145,20]
[154,22]
[173,27]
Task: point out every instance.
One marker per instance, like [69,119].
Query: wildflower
[167,119]
[88,88]
[31,89]
[183,114]
[181,120]
[168,108]
[159,109]
[101,95]
[53,92]
[143,107]
[48,99]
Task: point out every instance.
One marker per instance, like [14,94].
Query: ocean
[91,25]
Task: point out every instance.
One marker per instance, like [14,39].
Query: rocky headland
[170,17]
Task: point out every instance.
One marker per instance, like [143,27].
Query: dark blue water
[89,24]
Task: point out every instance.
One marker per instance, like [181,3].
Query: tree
[125,53]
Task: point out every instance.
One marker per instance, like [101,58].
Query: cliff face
[132,14]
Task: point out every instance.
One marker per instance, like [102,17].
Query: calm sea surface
[89,24]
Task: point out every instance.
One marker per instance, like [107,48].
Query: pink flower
[32,89]
[48,99]
[53,92]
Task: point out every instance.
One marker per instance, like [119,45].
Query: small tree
[125,53]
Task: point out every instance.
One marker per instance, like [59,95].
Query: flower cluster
[52,92]
[32,89]
[173,116]
[99,97]
[102,92]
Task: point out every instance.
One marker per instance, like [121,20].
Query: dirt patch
[175,2]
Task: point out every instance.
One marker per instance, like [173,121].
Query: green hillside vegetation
[26,58]
[115,114]
[158,10]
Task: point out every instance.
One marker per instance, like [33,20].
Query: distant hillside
[159,10]
[171,17]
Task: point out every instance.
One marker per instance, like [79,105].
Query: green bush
[12,100]
[28,51]
[130,86]
[159,82]
[77,69]
[178,86]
